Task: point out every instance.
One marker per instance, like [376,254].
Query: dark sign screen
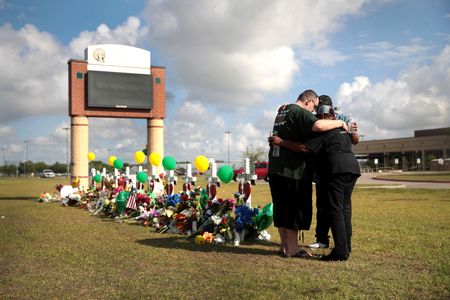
[119,90]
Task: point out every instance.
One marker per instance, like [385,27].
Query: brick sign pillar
[155,139]
[80,141]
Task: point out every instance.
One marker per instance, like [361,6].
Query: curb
[409,180]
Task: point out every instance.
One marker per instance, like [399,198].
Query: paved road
[367,178]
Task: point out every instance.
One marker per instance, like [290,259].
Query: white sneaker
[318,245]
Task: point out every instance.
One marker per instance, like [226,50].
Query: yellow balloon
[91,156]
[155,159]
[111,160]
[199,240]
[139,157]
[201,163]
[75,182]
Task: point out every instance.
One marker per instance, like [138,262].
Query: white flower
[216,219]
[219,239]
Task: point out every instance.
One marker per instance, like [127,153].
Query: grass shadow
[189,245]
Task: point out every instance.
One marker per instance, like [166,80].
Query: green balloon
[169,163]
[98,178]
[142,177]
[265,217]
[225,174]
[118,164]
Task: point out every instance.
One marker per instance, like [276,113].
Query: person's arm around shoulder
[327,125]
[293,146]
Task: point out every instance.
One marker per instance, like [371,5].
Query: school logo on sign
[99,55]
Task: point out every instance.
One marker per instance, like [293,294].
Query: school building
[427,150]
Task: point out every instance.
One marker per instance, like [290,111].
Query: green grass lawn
[401,248]
[433,177]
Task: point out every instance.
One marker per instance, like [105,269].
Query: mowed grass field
[401,250]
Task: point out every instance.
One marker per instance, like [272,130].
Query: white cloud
[6,131]
[197,129]
[36,80]
[347,90]
[418,99]
[229,57]
[249,136]
[193,131]
[387,52]
[270,70]
[323,57]
[237,52]
[129,33]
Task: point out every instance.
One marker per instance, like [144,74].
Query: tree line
[30,167]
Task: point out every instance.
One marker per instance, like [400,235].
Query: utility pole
[228,137]
[67,148]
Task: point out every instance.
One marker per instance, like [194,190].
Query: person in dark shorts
[337,170]
[289,178]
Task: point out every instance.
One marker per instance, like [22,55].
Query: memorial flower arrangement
[191,213]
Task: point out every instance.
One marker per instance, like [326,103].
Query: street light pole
[67,148]
[26,159]
[228,137]
[4,160]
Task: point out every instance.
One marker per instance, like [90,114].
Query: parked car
[261,170]
[47,174]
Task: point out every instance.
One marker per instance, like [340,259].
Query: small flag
[131,201]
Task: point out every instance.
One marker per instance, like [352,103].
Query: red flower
[180,217]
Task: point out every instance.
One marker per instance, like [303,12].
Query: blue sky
[229,65]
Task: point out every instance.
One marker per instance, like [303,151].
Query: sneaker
[318,245]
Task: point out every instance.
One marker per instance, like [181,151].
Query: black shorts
[292,202]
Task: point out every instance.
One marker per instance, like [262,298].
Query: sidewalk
[368,178]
